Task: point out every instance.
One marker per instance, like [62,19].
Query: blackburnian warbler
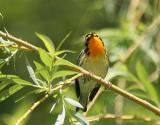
[95,60]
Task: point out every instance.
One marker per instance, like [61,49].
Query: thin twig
[18,41]
[132,48]
[15,47]
[123,117]
[94,100]
[37,103]
[24,116]
[137,43]
[122,92]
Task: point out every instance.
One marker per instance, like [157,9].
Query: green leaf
[31,72]
[63,74]
[28,93]
[42,83]
[15,79]
[45,57]
[47,42]
[80,118]
[63,40]
[20,81]
[53,106]
[65,63]
[144,78]
[42,70]
[114,73]
[9,91]
[1,15]
[61,117]
[136,81]
[3,84]
[63,51]
[73,102]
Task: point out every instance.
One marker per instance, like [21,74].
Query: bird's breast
[96,65]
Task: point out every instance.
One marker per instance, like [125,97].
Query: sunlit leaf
[3,84]
[114,73]
[61,117]
[52,108]
[144,78]
[21,81]
[80,118]
[31,72]
[42,83]
[65,63]
[9,91]
[28,93]
[63,40]
[73,102]
[63,51]
[45,57]
[47,42]
[63,73]
[1,15]
[15,79]
[42,70]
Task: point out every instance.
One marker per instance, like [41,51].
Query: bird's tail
[83,101]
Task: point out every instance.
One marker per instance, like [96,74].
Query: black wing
[94,92]
[79,62]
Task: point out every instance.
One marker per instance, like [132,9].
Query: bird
[94,59]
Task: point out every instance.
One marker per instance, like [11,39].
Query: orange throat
[96,47]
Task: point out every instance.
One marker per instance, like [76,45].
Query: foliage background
[119,25]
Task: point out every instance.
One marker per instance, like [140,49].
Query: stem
[18,41]
[123,117]
[122,92]
[24,116]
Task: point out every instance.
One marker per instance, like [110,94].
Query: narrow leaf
[114,73]
[45,57]
[42,70]
[73,102]
[47,42]
[3,84]
[65,63]
[28,93]
[15,79]
[52,108]
[61,117]
[63,74]
[20,81]
[63,40]
[63,51]
[1,15]
[144,78]
[42,83]
[31,72]
[9,91]
[80,118]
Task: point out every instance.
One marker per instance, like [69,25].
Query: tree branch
[37,103]
[133,47]
[107,84]
[24,116]
[123,117]
[122,92]
[18,41]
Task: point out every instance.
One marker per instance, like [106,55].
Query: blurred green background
[120,23]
